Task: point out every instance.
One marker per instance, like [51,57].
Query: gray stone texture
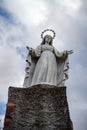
[40,107]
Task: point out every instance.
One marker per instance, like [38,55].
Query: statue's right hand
[30,49]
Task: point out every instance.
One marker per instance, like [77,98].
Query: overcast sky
[21,24]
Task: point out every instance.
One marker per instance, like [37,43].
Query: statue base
[40,107]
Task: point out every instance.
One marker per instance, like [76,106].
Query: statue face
[48,39]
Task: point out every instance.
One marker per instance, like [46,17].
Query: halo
[54,34]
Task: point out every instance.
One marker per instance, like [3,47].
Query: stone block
[40,107]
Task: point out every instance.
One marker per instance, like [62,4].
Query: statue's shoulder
[39,47]
[55,50]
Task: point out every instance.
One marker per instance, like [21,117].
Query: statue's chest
[46,47]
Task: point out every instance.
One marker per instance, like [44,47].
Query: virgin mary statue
[46,65]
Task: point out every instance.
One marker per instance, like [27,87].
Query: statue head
[47,38]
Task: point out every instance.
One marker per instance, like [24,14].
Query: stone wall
[40,107]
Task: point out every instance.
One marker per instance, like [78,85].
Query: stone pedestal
[40,107]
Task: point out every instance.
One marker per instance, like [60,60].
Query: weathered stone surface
[40,107]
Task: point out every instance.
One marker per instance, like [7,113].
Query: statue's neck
[46,43]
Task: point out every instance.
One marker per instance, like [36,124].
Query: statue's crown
[54,34]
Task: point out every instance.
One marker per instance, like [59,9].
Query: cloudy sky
[21,23]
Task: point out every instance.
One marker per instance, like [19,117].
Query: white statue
[46,65]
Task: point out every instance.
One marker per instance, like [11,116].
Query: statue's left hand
[70,52]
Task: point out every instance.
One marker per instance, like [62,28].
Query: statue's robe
[46,65]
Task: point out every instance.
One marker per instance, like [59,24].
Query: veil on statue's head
[43,40]
[47,35]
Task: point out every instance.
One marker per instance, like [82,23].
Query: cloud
[2,108]
[12,54]
[25,12]
[11,70]
[1,121]
[77,96]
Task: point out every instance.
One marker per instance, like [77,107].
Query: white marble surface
[45,65]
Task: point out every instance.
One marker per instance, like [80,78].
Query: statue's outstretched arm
[34,52]
[69,52]
[62,55]
[31,50]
